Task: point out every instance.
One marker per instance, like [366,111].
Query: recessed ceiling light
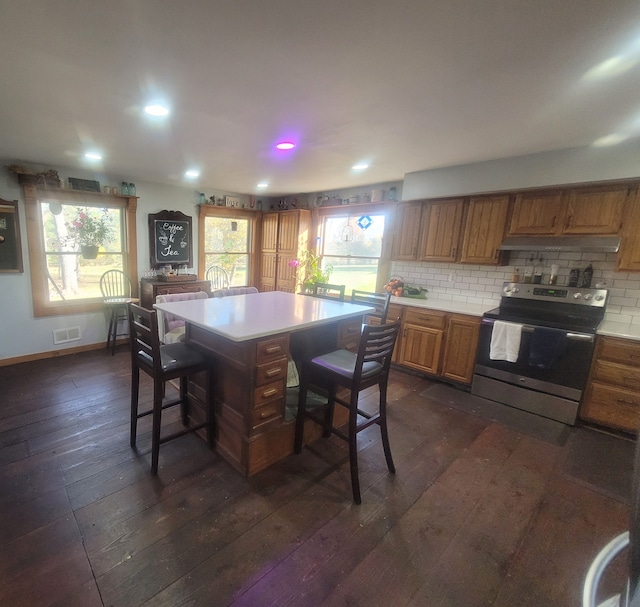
[155,109]
[360,167]
[192,173]
[286,145]
[93,156]
[263,185]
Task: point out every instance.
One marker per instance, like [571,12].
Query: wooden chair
[116,290]
[163,363]
[171,328]
[356,372]
[218,278]
[234,291]
[328,291]
[378,300]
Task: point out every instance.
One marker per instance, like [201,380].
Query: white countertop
[619,329]
[243,317]
[455,307]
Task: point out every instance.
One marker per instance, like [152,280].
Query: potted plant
[309,270]
[89,230]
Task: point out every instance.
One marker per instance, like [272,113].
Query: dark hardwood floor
[477,514]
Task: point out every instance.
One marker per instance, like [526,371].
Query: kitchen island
[250,339]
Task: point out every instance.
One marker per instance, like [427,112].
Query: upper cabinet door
[485,227]
[538,213]
[288,232]
[270,232]
[629,255]
[405,242]
[596,210]
[441,228]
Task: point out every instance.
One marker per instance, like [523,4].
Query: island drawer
[269,350]
[266,413]
[267,393]
[271,371]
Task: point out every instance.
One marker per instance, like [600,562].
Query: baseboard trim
[5,362]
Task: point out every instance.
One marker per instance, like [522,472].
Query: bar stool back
[356,372]
[116,289]
[163,363]
[326,290]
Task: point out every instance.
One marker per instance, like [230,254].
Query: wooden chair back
[326,290]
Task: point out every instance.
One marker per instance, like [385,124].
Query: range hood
[586,244]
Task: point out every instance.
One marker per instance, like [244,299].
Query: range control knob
[588,296]
[599,297]
[577,296]
[507,289]
[515,290]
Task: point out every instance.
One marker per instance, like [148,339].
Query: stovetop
[569,308]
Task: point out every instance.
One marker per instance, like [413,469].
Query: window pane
[226,244]
[71,276]
[343,236]
[353,252]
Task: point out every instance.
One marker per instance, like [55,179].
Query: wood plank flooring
[477,514]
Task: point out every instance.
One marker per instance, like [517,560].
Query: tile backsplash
[482,284]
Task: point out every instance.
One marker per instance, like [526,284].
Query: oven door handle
[530,328]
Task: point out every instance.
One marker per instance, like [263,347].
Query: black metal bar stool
[354,371]
[163,363]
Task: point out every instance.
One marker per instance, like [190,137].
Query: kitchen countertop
[609,328]
[455,307]
[243,317]
[619,329]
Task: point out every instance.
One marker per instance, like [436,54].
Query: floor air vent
[63,336]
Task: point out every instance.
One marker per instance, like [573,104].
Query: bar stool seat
[163,363]
[356,372]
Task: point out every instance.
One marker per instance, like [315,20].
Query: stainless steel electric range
[556,328]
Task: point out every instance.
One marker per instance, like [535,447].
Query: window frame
[209,210]
[33,196]
[345,211]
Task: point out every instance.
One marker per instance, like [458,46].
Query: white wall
[577,165]
[20,333]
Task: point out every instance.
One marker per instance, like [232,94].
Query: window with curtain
[63,227]
[351,244]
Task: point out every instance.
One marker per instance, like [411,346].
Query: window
[226,241]
[65,275]
[352,245]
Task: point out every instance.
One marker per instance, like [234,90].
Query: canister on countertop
[573,277]
[553,279]
[587,276]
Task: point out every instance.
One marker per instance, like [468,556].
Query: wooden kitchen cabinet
[422,339]
[538,213]
[441,227]
[612,397]
[595,210]
[285,235]
[407,231]
[629,255]
[484,231]
[461,343]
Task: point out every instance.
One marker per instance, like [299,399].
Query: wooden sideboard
[149,289]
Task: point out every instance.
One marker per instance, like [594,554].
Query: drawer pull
[269,392]
[273,349]
[624,401]
[630,380]
[265,414]
[274,371]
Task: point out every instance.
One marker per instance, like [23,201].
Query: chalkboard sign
[10,247]
[170,239]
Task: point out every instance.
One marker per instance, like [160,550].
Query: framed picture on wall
[170,239]
[10,246]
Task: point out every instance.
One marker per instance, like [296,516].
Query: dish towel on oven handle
[505,341]
[547,345]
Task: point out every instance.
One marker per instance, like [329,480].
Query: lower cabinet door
[421,348]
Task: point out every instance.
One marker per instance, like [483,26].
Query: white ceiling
[406,85]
